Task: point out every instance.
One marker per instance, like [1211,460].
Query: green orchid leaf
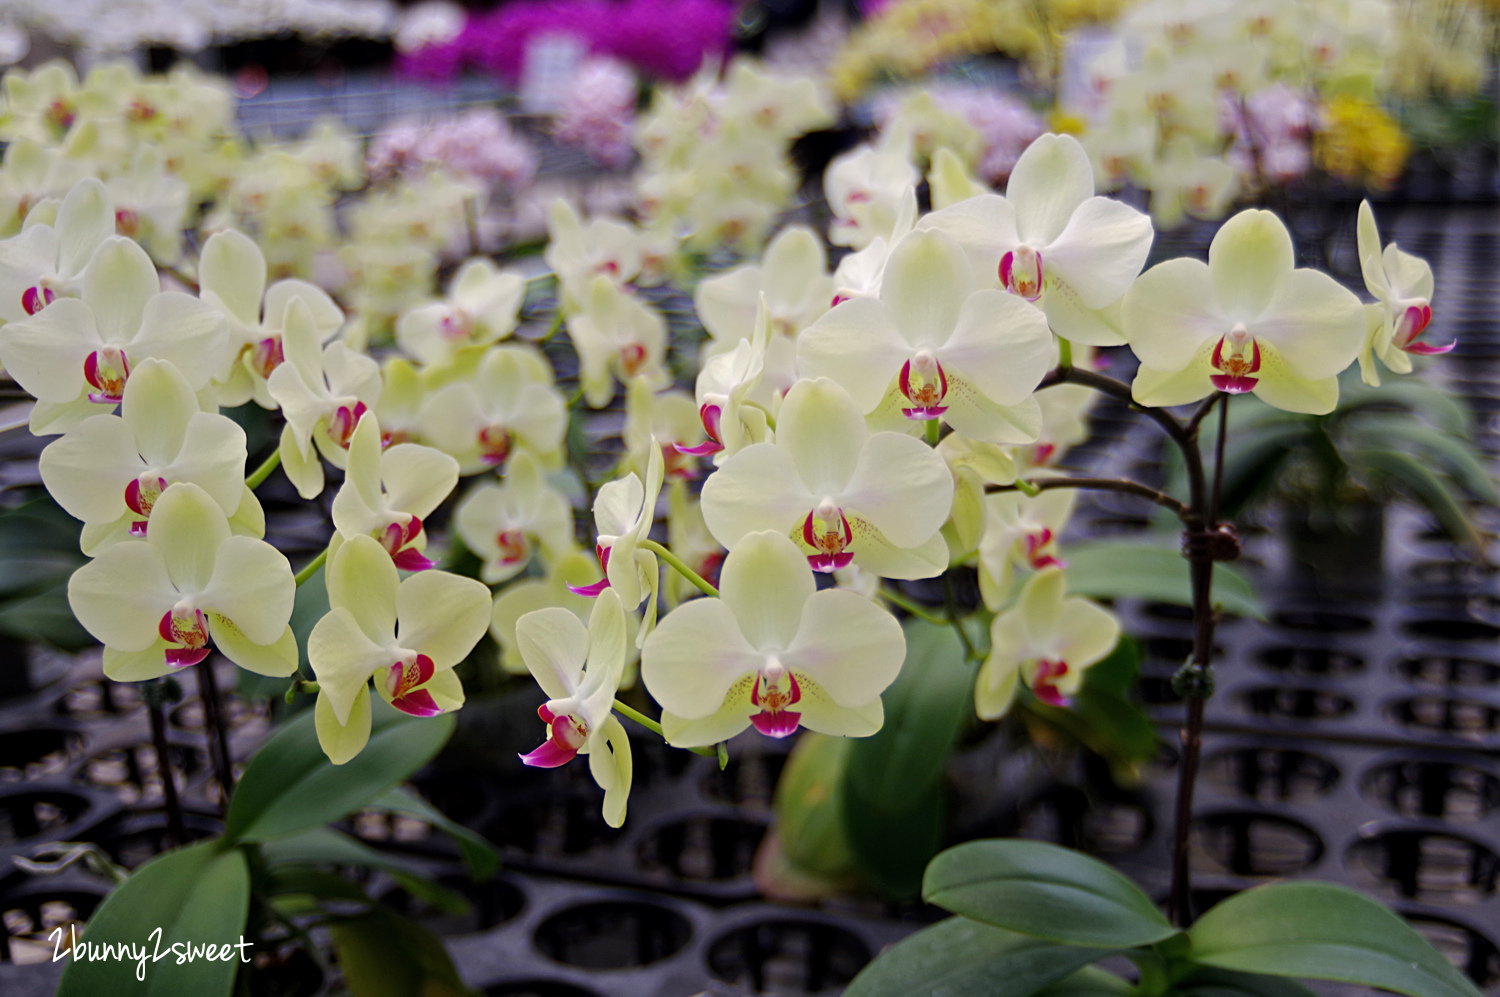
[325,846]
[1205,981]
[480,857]
[199,896]
[1323,932]
[1090,981]
[290,785]
[1114,569]
[962,958]
[1044,891]
[383,954]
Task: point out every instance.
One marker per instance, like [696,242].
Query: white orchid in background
[793,277]
[1244,321]
[157,605]
[483,306]
[1045,641]
[617,337]
[407,635]
[46,262]
[771,652]
[110,470]
[859,274]
[574,570]
[75,354]
[322,393]
[1402,286]
[877,500]
[232,278]
[579,669]
[624,511]
[1020,531]
[1051,241]
[866,189]
[508,403]
[949,180]
[504,524]
[402,392]
[668,419]
[736,397]
[934,346]
[578,253]
[151,204]
[387,494]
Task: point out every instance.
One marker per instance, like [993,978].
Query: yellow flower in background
[1360,143]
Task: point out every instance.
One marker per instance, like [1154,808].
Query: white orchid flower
[949,180]
[617,336]
[736,397]
[866,189]
[771,652]
[1402,286]
[151,204]
[1065,409]
[934,346]
[157,605]
[483,306]
[670,419]
[508,403]
[578,253]
[402,392]
[388,493]
[1184,182]
[579,669]
[232,278]
[110,470]
[407,635]
[46,262]
[1245,321]
[322,393]
[504,524]
[849,495]
[75,354]
[859,274]
[793,277]
[521,597]
[1020,531]
[624,511]
[1045,641]
[1052,241]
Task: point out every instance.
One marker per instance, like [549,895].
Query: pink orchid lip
[829,544]
[591,591]
[495,444]
[345,420]
[107,374]
[403,682]
[1413,323]
[1048,672]
[565,736]
[141,501]
[1043,453]
[774,719]
[1236,379]
[710,414]
[34,299]
[396,540]
[189,632]
[266,355]
[512,546]
[1018,282]
[632,358]
[1037,554]
[127,222]
[927,395]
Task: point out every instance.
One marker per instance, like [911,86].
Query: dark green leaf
[479,855]
[303,880]
[809,815]
[1043,890]
[1410,475]
[1432,446]
[893,785]
[1205,981]
[198,895]
[1090,981]
[385,955]
[45,616]
[1324,932]
[325,846]
[1114,569]
[962,958]
[291,786]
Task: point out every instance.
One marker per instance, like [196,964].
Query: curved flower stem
[312,567]
[950,601]
[553,328]
[215,729]
[682,569]
[1098,484]
[263,472]
[655,728]
[914,608]
[155,693]
[1064,354]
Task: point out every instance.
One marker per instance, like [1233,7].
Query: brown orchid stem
[153,697]
[1098,484]
[215,728]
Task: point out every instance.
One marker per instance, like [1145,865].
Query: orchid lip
[929,393]
[1021,273]
[591,591]
[1235,378]
[1045,684]
[774,718]
[404,683]
[34,299]
[829,544]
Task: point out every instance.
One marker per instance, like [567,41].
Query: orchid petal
[1249,260]
[78,467]
[117,283]
[858,345]
[1315,324]
[847,645]
[694,656]
[137,666]
[823,431]
[756,489]
[276,660]
[232,272]
[45,353]
[1049,182]
[120,595]
[1170,312]
[927,280]
[341,741]
[902,487]
[442,615]
[182,329]
[554,643]
[187,528]
[984,226]
[610,765]
[362,580]
[1001,344]
[84,220]
[1101,251]
[765,585]
[252,586]
[343,658]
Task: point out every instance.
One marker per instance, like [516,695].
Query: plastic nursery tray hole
[1450,572]
[616,934]
[1295,704]
[1443,669]
[1171,650]
[703,848]
[1106,525]
[99,698]
[491,904]
[28,919]
[41,751]
[134,774]
[1070,817]
[462,796]
[1455,629]
[1429,788]
[1310,661]
[1464,717]
[30,814]
[1169,611]
[142,838]
[1322,620]
[553,826]
[1271,774]
[1470,951]
[1244,843]
[537,988]
[788,957]
[749,780]
[1426,865]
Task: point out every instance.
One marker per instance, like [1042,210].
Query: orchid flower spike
[75,355]
[111,469]
[1402,286]
[935,346]
[508,404]
[624,511]
[407,635]
[386,494]
[1245,321]
[1045,641]
[877,500]
[232,278]
[46,262]
[579,670]
[157,605]
[1052,242]
[771,652]
[504,524]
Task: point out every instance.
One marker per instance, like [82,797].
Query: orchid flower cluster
[890,420]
